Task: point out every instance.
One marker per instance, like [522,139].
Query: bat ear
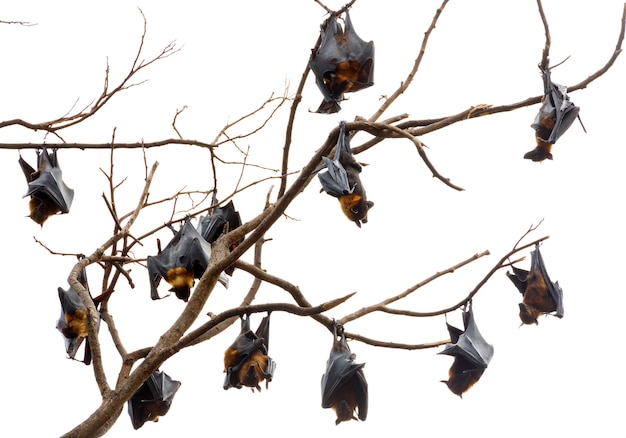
[370,204]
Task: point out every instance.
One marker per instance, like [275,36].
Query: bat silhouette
[48,193]
[344,388]
[185,258]
[246,361]
[343,63]
[153,399]
[556,115]
[540,294]
[341,180]
[471,353]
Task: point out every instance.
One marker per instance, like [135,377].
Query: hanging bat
[344,387]
[246,361]
[48,193]
[222,220]
[471,353]
[556,115]
[73,320]
[343,63]
[185,258]
[341,180]
[540,294]
[153,399]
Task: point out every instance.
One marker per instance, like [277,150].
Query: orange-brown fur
[537,299]
[543,149]
[253,370]
[462,376]
[42,207]
[75,325]
[181,281]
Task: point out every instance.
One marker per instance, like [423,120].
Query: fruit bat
[246,361]
[344,387]
[343,63]
[186,257]
[73,320]
[222,220]
[471,352]
[153,399]
[540,294]
[341,180]
[48,193]
[556,115]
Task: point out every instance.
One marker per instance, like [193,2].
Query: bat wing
[249,348]
[263,332]
[556,106]
[212,227]
[455,333]
[335,179]
[364,52]
[324,63]
[471,353]
[186,257]
[48,180]
[342,63]
[471,345]
[344,383]
[518,277]
[71,308]
[554,289]
[153,399]
[72,321]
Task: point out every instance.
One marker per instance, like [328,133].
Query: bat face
[344,388]
[556,115]
[153,399]
[471,353]
[343,63]
[72,322]
[246,361]
[185,258]
[48,193]
[540,294]
[223,220]
[341,180]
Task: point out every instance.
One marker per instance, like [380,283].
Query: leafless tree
[121,266]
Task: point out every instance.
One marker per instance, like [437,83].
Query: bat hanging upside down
[556,115]
[48,193]
[540,294]
[471,353]
[246,361]
[153,399]
[344,388]
[342,181]
[344,63]
[184,259]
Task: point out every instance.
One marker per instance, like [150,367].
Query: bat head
[528,314]
[344,412]
[355,207]
[540,153]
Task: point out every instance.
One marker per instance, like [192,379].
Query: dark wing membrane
[553,287]
[518,278]
[557,106]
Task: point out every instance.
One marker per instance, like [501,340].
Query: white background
[560,378]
